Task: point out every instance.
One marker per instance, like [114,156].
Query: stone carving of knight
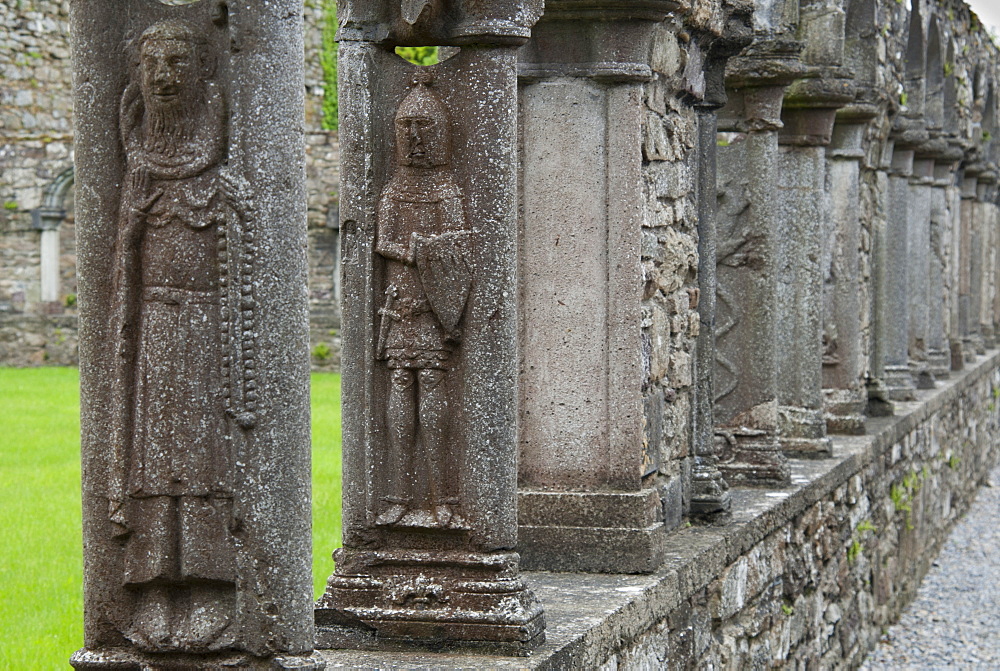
[171,480]
[422,235]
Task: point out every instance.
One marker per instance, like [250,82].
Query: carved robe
[175,472]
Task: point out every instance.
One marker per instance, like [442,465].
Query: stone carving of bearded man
[171,492]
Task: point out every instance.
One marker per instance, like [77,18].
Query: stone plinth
[193,335]
[429,224]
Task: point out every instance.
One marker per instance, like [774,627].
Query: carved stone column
[710,496]
[939,303]
[918,252]
[582,501]
[193,335]
[429,218]
[808,116]
[970,266]
[845,395]
[746,381]
[896,308]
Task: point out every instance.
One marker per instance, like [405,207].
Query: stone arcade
[608,267]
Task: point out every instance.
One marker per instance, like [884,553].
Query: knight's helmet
[423,136]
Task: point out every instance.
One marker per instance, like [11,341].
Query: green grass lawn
[41,599]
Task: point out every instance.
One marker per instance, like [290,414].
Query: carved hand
[237,192]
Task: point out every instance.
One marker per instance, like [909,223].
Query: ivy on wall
[328,61]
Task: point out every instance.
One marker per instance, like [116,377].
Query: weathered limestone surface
[583,453]
[194,375]
[429,217]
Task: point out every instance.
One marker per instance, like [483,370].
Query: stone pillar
[957,270]
[918,251]
[710,496]
[429,204]
[746,380]
[804,212]
[939,280]
[968,261]
[879,404]
[193,335]
[895,310]
[48,222]
[845,395]
[582,501]
[986,196]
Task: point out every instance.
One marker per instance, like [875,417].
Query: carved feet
[175,619]
[440,516]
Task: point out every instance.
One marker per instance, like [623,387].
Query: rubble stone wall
[36,148]
[810,575]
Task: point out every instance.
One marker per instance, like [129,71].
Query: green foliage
[328,61]
[953,462]
[854,551]
[70,300]
[987,136]
[866,525]
[10,205]
[322,352]
[949,69]
[903,98]
[419,55]
[787,609]
[41,563]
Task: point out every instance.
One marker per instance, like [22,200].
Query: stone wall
[36,152]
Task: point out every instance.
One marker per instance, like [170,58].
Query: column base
[844,411]
[939,363]
[957,355]
[393,600]
[899,384]
[879,404]
[923,378]
[711,500]
[128,659]
[802,432]
[595,532]
[751,458]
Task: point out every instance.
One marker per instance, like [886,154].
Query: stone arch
[934,77]
[860,30]
[916,64]
[951,106]
[48,219]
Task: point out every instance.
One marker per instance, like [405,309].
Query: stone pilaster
[940,289]
[429,204]
[582,500]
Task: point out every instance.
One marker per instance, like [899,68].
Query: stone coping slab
[590,616]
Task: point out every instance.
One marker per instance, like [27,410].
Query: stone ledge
[591,617]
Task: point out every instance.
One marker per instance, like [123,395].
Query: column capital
[47,219]
[424,22]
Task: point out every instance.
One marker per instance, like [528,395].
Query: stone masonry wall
[814,573]
[670,265]
[36,147]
